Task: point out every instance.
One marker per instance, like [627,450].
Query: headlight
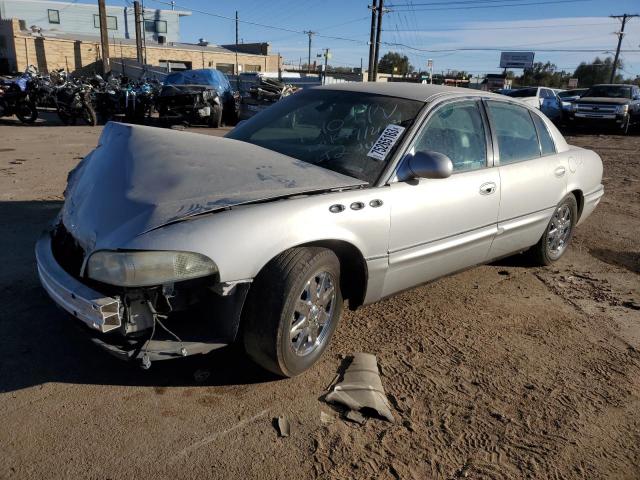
[146,268]
[574,107]
[622,109]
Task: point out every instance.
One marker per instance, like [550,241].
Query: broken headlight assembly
[148,268]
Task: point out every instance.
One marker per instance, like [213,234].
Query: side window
[546,142]
[457,131]
[517,138]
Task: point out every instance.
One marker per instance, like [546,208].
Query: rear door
[439,226]
[532,176]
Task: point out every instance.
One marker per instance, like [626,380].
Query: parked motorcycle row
[78,100]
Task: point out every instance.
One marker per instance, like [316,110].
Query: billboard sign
[516,59]
[573,83]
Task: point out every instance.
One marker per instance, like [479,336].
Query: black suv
[608,104]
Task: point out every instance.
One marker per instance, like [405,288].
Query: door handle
[560,171]
[487,188]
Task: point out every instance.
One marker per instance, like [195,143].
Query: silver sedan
[171,244]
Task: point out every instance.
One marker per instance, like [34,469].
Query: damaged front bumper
[128,325]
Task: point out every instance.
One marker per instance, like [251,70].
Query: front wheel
[292,310]
[27,112]
[89,115]
[556,238]
[215,119]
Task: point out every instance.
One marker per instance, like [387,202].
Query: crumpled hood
[140,178]
[599,100]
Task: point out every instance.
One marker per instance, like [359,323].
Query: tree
[394,59]
[544,75]
[598,71]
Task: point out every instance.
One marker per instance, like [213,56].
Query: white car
[542,98]
[172,244]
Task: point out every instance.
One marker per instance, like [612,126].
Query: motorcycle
[73,102]
[15,99]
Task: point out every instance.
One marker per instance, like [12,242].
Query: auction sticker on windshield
[385,142]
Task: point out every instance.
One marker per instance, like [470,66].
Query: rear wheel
[556,238]
[292,310]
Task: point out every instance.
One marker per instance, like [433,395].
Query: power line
[453,28]
[467,7]
[258,24]
[456,2]
[502,49]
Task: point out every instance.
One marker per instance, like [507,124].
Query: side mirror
[425,164]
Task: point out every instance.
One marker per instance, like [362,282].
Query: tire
[626,125]
[89,115]
[215,119]
[66,118]
[279,298]
[552,246]
[26,112]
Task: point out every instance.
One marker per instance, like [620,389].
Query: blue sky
[434,31]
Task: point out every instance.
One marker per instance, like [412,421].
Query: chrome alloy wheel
[313,313]
[559,231]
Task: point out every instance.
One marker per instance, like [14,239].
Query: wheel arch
[577,193]
[353,268]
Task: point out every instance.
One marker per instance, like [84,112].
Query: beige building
[48,50]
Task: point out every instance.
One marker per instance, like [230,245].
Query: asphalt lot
[502,371]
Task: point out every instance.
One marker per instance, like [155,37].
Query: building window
[112,22]
[54,16]
[225,67]
[155,26]
[251,68]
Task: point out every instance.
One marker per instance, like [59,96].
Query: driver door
[439,226]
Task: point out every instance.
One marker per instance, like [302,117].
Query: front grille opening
[66,251]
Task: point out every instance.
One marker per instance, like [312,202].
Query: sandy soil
[503,371]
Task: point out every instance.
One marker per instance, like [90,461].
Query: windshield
[333,129]
[609,91]
[192,77]
[523,92]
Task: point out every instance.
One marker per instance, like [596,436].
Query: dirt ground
[503,371]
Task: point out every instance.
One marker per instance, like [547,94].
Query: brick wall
[52,53]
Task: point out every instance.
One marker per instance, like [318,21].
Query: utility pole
[104,37]
[381,11]
[137,13]
[326,58]
[311,34]
[372,39]
[620,34]
[237,71]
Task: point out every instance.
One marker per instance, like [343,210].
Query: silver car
[171,243]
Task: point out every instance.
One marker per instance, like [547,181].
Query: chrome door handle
[487,188]
[560,171]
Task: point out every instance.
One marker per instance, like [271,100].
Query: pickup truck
[608,104]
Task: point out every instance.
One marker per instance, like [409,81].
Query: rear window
[522,92]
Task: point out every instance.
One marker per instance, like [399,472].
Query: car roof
[613,85]
[410,91]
